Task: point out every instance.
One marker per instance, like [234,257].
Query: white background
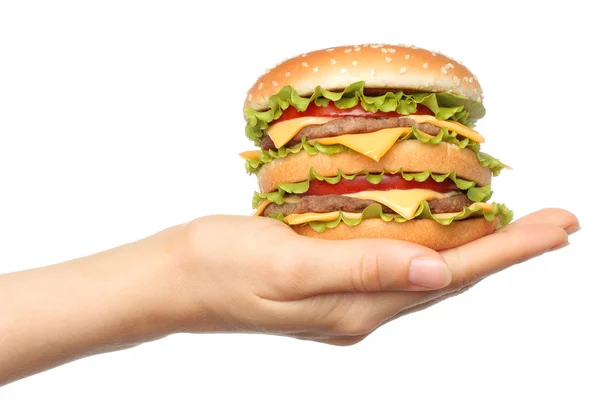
[120,118]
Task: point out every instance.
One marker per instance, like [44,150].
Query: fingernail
[429,273]
[560,246]
[572,229]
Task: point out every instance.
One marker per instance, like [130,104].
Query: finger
[316,266]
[553,216]
[493,253]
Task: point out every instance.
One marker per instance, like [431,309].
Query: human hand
[250,274]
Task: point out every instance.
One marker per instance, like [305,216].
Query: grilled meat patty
[346,125]
[323,204]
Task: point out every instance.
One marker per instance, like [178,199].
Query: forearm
[108,301]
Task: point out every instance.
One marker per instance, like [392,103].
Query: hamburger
[373,141]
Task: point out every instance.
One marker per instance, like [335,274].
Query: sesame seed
[374,46]
[466,79]
[456,80]
[347,50]
[450,65]
[388,59]
[407,56]
[383,50]
[333,61]
[343,71]
[260,85]
[433,53]
[315,69]
[304,64]
[331,49]
[471,80]
[425,65]
[402,70]
[250,97]
[373,72]
[303,55]
[444,71]
[354,63]
[287,74]
[391,50]
[412,46]
[357,49]
[275,83]
[475,77]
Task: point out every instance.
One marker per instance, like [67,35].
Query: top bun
[380,66]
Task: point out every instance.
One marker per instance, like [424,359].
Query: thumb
[364,265]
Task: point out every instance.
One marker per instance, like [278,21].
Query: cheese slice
[261,207]
[373,145]
[250,155]
[297,219]
[472,207]
[282,132]
[452,126]
[403,202]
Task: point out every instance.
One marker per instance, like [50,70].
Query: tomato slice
[389,182]
[332,111]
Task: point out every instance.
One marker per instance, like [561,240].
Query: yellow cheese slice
[373,145]
[403,202]
[282,132]
[297,219]
[250,154]
[484,206]
[452,126]
[261,207]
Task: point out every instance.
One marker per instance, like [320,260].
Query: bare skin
[210,276]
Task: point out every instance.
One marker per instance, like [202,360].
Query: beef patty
[346,125]
[323,204]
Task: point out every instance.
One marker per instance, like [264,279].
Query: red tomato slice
[389,182]
[332,111]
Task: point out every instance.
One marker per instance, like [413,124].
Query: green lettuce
[444,105]
[474,193]
[492,163]
[499,211]
[252,166]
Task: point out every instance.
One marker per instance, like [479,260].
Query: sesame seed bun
[380,66]
[408,155]
[425,232]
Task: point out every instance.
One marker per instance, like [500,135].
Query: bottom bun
[425,232]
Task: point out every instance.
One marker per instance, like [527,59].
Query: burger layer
[408,156]
[329,203]
[425,232]
[351,125]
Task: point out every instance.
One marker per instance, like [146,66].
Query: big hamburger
[372,141]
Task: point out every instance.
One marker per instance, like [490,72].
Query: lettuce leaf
[492,163]
[474,193]
[504,215]
[443,105]
[252,166]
